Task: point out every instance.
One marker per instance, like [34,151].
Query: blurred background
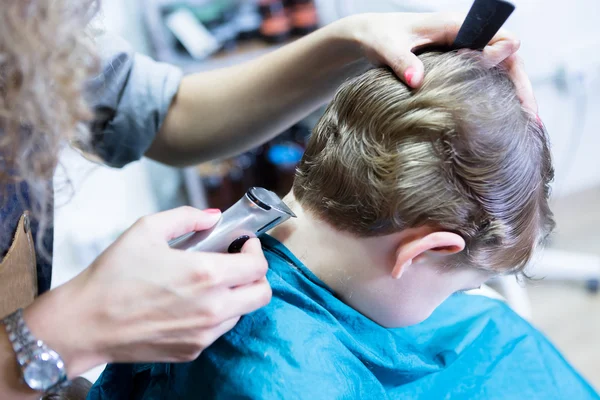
[94,204]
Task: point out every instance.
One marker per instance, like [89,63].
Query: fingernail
[213,211]
[408,75]
[539,120]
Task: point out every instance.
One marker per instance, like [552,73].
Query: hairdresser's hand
[143,301]
[391,38]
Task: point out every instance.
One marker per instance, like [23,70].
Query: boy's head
[456,171]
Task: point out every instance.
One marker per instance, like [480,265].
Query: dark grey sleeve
[130,98]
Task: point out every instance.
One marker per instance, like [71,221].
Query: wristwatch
[43,369]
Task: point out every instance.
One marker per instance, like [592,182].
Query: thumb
[408,67]
[179,221]
[252,246]
[499,51]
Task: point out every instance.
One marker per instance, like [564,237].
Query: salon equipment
[304,16]
[283,159]
[484,20]
[192,35]
[258,211]
[248,20]
[276,25]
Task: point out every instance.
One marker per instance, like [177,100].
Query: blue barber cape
[307,344]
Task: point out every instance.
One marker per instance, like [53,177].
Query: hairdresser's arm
[142,301]
[223,112]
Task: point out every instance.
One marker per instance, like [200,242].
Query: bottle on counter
[284,158]
[248,20]
[303,15]
[276,25]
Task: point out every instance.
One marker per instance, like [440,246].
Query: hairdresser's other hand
[143,301]
[391,39]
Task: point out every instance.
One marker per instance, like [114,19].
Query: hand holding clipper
[257,212]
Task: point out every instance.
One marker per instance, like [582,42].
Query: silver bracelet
[42,369]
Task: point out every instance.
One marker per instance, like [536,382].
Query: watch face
[44,370]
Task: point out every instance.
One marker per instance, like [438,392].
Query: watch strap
[19,335]
[25,345]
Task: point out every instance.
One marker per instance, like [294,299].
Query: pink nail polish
[213,211]
[539,120]
[408,75]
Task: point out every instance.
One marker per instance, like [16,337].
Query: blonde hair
[458,154]
[45,59]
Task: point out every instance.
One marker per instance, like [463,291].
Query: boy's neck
[339,259]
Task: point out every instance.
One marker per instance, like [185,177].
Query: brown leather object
[18,289]
[18,274]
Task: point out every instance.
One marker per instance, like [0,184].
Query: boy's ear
[438,243]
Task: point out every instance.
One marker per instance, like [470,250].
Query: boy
[403,198]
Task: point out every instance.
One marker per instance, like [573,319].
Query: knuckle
[182,358]
[515,45]
[519,61]
[203,340]
[207,275]
[213,278]
[144,222]
[194,352]
[265,296]
[213,315]
[262,265]
[397,62]
[188,210]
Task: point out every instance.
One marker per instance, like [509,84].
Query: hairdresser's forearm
[224,112]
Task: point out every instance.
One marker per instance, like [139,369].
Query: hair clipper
[257,212]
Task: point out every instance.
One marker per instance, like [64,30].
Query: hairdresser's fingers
[500,48]
[224,270]
[209,337]
[503,35]
[170,224]
[384,45]
[437,28]
[405,64]
[189,348]
[252,246]
[516,69]
[409,68]
[248,298]
[225,327]
[241,300]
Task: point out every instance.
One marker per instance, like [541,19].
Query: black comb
[484,20]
